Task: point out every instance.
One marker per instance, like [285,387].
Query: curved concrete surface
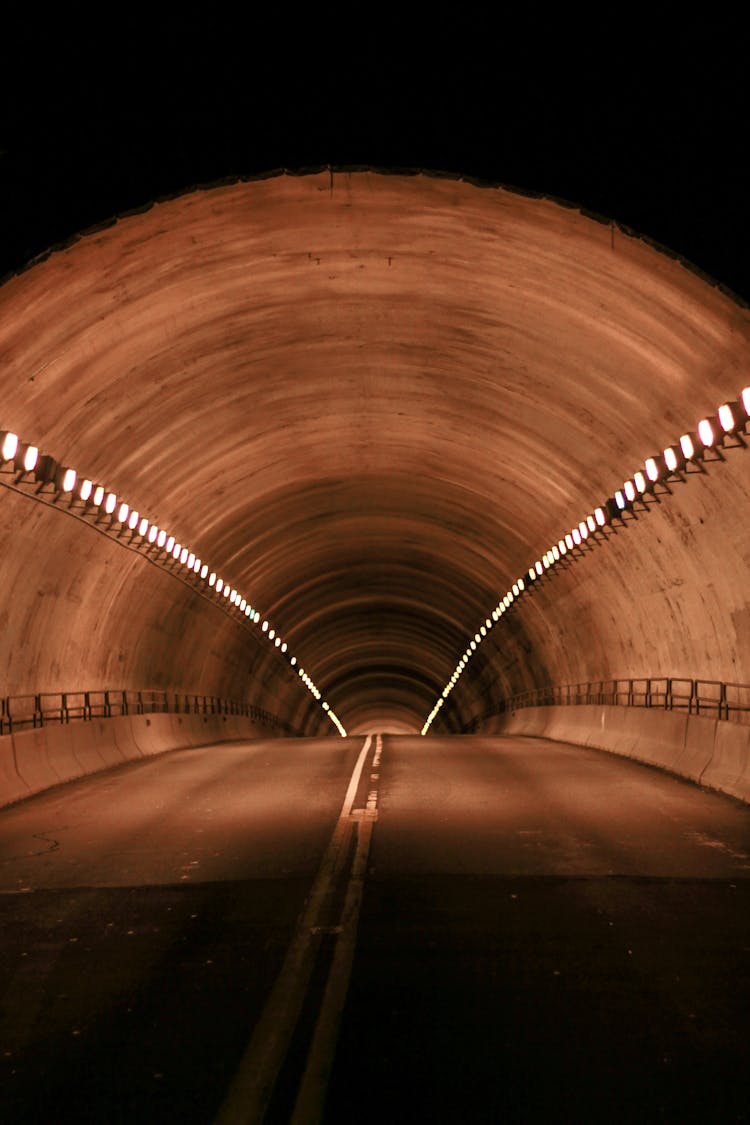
[371,401]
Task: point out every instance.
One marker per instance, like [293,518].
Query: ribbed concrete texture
[370,401]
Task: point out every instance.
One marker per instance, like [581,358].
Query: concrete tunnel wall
[370,401]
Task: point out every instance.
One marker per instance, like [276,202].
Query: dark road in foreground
[398,929]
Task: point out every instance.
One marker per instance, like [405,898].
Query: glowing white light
[284,647]
[545,562]
[687,447]
[483,630]
[170,544]
[98,495]
[30,459]
[143,528]
[10,447]
[264,627]
[629,490]
[670,459]
[583,530]
[324,705]
[640,481]
[247,610]
[473,645]
[212,579]
[591,523]
[727,420]
[515,589]
[277,642]
[600,517]
[293,660]
[570,541]
[69,480]
[521,584]
[243,605]
[133,519]
[153,532]
[562,547]
[123,513]
[176,551]
[85,489]
[532,573]
[539,568]
[233,596]
[556,553]
[271,634]
[477,638]
[745,397]
[204,572]
[488,623]
[257,616]
[191,560]
[576,537]
[495,615]
[197,566]
[620,500]
[652,469]
[706,433]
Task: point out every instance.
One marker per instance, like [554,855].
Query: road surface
[464,929]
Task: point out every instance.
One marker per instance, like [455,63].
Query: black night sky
[650,129]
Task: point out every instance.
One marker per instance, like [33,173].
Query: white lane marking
[351,792]
[310,1104]
[251,1089]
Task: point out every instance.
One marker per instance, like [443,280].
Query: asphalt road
[462,930]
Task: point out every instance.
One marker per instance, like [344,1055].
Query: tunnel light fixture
[687,447]
[122,513]
[30,458]
[133,519]
[9,447]
[653,472]
[706,433]
[110,503]
[65,479]
[85,489]
[730,417]
[673,458]
[143,528]
[639,481]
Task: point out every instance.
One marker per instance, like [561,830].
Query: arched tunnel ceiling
[370,400]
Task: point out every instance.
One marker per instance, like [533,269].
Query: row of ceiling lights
[730,421]
[28,464]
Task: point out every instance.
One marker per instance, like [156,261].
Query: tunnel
[403,457]
[371,403]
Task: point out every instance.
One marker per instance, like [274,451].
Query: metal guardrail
[729,701]
[18,712]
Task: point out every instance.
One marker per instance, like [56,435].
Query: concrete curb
[38,759]
[708,751]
